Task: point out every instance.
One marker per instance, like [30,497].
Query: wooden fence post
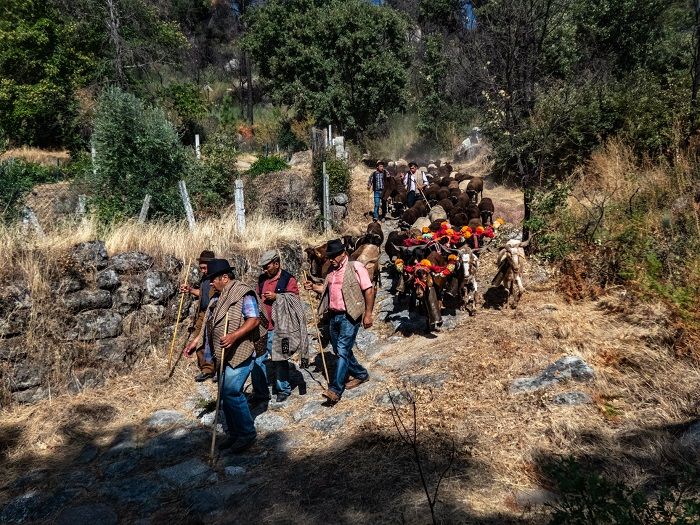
[144,209]
[326,201]
[239,201]
[197,150]
[186,203]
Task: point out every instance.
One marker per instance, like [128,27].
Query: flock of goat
[434,253]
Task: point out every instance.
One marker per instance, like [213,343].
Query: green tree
[344,62]
[138,152]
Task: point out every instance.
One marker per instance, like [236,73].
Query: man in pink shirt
[347,297]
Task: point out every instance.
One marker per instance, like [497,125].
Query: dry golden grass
[37,156]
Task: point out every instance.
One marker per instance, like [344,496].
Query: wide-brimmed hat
[267,257]
[411,164]
[218,267]
[206,256]
[335,247]
[380,162]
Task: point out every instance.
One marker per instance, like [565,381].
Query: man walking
[234,326]
[376,184]
[203,292]
[347,297]
[413,183]
[275,287]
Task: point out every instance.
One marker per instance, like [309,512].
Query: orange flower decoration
[426,263]
[480,230]
[425,229]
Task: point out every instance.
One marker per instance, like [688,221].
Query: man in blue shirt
[376,184]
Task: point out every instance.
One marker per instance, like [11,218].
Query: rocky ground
[503,391]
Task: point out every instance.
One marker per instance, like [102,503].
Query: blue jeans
[377,203]
[262,365]
[234,403]
[343,333]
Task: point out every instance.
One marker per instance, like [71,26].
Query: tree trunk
[249,91]
[114,36]
[695,72]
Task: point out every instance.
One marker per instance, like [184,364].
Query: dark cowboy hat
[411,164]
[380,162]
[334,247]
[206,256]
[218,267]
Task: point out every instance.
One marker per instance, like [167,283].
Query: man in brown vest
[234,325]
[347,296]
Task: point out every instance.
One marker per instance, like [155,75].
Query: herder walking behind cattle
[347,299]
[237,344]
[376,183]
[287,332]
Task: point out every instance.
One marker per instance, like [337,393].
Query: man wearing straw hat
[279,292]
[235,327]
[203,292]
[347,297]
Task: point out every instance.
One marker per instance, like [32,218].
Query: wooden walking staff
[179,313]
[318,334]
[218,395]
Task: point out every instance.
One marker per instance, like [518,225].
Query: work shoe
[331,396]
[355,382]
[203,376]
[281,398]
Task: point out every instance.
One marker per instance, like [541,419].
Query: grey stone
[189,473]
[329,424]
[337,213]
[165,418]
[396,339]
[449,322]
[114,350]
[341,199]
[172,264]
[127,447]
[22,508]
[107,279]
[360,390]
[158,288]
[399,397]
[15,304]
[211,499]
[572,398]
[70,284]
[140,490]
[120,468]
[24,376]
[31,395]
[13,349]
[90,255]
[87,300]
[131,262]
[311,408]
[172,443]
[366,339]
[127,298]
[569,367]
[268,422]
[233,472]
[153,311]
[690,439]
[87,454]
[96,324]
[432,380]
[93,513]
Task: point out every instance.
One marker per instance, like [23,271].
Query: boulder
[90,255]
[127,298]
[340,199]
[13,349]
[107,279]
[568,367]
[330,424]
[292,257]
[338,213]
[165,418]
[115,350]
[15,305]
[572,398]
[96,324]
[366,339]
[24,376]
[172,264]
[69,284]
[88,300]
[31,395]
[158,288]
[189,473]
[269,422]
[131,262]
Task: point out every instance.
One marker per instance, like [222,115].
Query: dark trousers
[411,199]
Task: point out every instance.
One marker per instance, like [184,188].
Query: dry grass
[37,156]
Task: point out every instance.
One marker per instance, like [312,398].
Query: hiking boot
[281,398]
[355,382]
[203,376]
[331,396]
[242,443]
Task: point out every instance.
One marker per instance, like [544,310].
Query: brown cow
[475,186]
[486,210]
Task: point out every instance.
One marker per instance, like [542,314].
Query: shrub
[138,151]
[189,106]
[267,165]
[338,177]
[210,181]
[18,178]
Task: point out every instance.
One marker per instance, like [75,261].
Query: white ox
[511,267]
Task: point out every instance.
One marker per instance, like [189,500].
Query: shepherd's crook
[218,395]
[318,334]
[179,312]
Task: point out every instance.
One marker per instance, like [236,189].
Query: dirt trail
[109,455]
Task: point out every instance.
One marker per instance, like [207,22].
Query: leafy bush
[189,106]
[18,178]
[586,497]
[138,152]
[338,177]
[210,181]
[267,165]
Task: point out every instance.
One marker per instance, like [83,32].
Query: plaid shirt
[376,180]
